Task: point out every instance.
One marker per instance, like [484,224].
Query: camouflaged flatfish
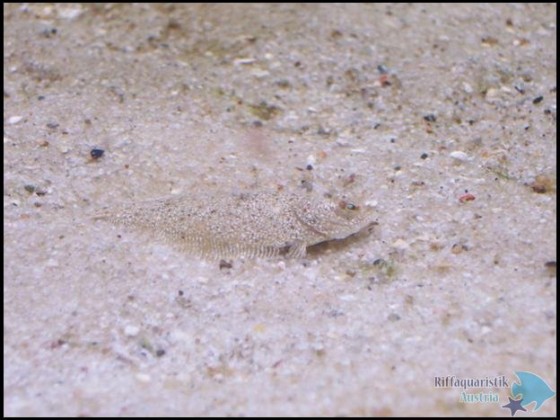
[249,224]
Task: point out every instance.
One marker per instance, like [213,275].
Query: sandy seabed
[442,118]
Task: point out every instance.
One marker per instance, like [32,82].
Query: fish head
[345,216]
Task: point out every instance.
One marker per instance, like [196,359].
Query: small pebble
[458,248]
[384,80]
[71,13]
[15,119]
[40,191]
[225,264]
[310,162]
[467,197]
[489,41]
[244,61]
[458,155]
[96,153]
[543,184]
[131,330]
[551,268]
[538,100]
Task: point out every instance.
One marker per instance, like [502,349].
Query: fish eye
[347,206]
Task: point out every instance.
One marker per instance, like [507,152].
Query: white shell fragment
[460,156]
[251,224]
[15,119]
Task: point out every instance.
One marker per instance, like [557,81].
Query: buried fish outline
[268,223]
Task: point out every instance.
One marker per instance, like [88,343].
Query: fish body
[247,224]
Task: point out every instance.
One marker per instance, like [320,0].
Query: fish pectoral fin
[296,249]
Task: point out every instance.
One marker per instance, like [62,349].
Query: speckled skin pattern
[251,224]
